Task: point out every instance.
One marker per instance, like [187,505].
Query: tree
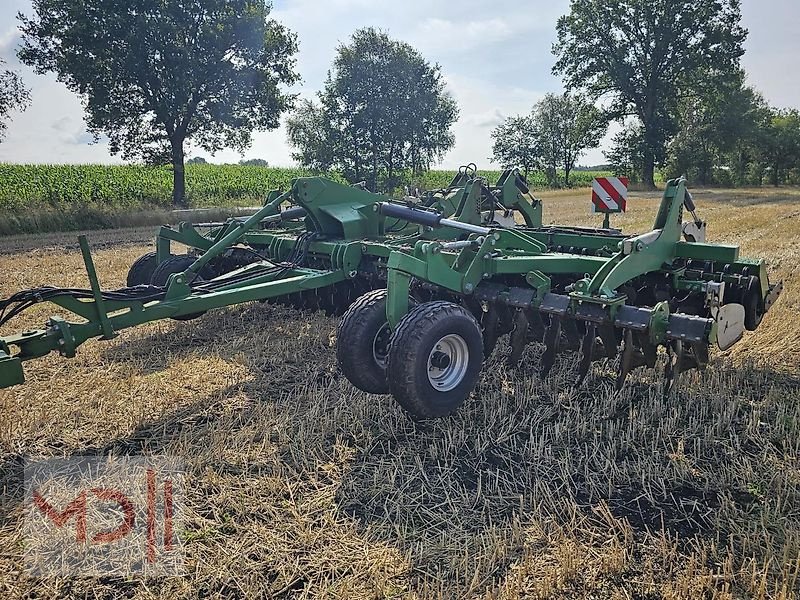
[383,109]
[646,55]
[626,156]
[713,128]
[565,126]
[552,137]
[197,160]
[13,96]
[254,162]
[153,75]
[515,144]
[781,145]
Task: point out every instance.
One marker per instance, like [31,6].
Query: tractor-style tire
[435,359]
[362,343]
[141,271]
[178,264]
[753,304]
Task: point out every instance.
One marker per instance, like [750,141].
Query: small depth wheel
[362,343]
[435,358]
[141,271]
[178,264]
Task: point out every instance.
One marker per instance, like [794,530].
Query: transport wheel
[362,343]
[753,304]
[178,264]
[435,358]
[141,271]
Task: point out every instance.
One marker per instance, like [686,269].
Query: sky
[495,56]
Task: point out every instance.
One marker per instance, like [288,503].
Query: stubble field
[301,486]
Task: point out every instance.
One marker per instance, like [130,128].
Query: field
[302,487]
[37,198]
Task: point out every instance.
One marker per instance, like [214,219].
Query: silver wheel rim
[380,346]
[448,362]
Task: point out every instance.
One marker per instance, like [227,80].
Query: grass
[301,486]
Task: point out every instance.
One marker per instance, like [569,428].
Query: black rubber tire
[411,345]
[753,304]
[355,342]
[178,264]
[141,271]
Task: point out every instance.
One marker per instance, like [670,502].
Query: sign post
[609,195]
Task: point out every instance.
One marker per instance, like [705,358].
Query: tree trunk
[648,170]
[566,176]
[178,175]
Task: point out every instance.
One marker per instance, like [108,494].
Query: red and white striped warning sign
[609,194]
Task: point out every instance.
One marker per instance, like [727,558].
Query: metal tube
[465,226]
[229,239]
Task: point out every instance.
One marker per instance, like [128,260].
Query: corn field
[130,187]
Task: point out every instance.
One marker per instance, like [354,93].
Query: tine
[490,324]
[519,337]
[536,326]
[626,361]
[506,322]
[649,350]
[587,350]
[609,337]
[552,338]
[700,352]
[570,328]
[672,371]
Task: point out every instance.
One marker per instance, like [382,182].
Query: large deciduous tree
[384,109]
[646,55]
[13,96]
[155,74]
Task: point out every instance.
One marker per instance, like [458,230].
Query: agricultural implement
[427,287]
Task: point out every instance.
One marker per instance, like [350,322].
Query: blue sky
[495,56]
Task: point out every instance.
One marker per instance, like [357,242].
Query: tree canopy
[552,137]
[644,56]
[383,109]
[156,74]
[13,96]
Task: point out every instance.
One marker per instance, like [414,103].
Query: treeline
[668,71]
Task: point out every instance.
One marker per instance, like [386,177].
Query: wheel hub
[380,345]
[448,363]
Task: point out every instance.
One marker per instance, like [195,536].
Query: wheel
[178,264]
[753,304]
[141,271]
[362,343]
[435,358]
